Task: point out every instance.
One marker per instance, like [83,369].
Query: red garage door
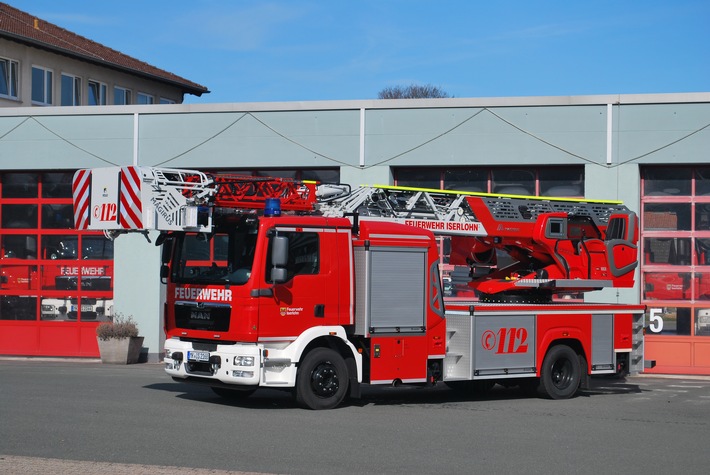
[56,284]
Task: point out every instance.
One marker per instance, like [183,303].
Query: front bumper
[238,364]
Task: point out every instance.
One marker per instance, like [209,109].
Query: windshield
[219,258]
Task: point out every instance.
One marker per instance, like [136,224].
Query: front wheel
[561,373]
[322,380]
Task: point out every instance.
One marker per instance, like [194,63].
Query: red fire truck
[320,289]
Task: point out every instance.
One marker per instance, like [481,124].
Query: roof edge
[374,104]
[188,86]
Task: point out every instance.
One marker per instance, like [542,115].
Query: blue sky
[278,50]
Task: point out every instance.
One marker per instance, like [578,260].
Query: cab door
[309,295]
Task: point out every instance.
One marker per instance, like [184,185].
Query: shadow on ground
[380,395]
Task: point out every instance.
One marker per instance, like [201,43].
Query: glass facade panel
[18,246]
[673,251]
[60,247]
[702,322]
[56,185]
[701,285]
[96,247]
[323,175]
[466,179]
[668,320]
[702,216]
[57,216]
[667,181]
[21,216]
[65,308]
[564,182]
[667,216]
[277,173]
[13,307]
[702,251]
[702,181]
[667,286]
[420,178]
[513,181]
[19,185]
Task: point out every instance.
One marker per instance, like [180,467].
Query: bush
[121,327]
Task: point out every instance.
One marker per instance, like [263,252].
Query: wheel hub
[324,380]
[561,373]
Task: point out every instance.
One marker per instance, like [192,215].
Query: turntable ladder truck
[319,289]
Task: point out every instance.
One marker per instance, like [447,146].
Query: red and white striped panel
[81,191]
[131,213]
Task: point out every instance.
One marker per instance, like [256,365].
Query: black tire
[233,394]
[322,380]
[561,373]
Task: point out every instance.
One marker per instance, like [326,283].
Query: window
[563,182]
[56,185]
[419,177]
[322,175]
[543,181]
[512,181]
[143,98]
[466,179]
[19,185]
[71,90]
[97,93]
[226,257]
[303,254]
[8,78]
[165,100]
[121,96]
[41,85]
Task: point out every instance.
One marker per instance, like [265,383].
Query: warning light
[272,207]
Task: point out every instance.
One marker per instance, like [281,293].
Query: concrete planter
[123,351]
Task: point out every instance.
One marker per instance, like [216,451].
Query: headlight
[168,353]
[243,361]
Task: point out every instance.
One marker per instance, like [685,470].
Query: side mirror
[278,275]
[279,251]
[164,273]
[166,251]
[279,259]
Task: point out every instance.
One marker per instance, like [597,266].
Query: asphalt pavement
[83,417]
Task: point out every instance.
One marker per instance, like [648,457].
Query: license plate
[84,308]
[198,355]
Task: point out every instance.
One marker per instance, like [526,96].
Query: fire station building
[649,151]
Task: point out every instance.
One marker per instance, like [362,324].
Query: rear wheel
[322,380]
[561,373]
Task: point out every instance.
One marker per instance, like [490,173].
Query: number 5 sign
[656,320]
